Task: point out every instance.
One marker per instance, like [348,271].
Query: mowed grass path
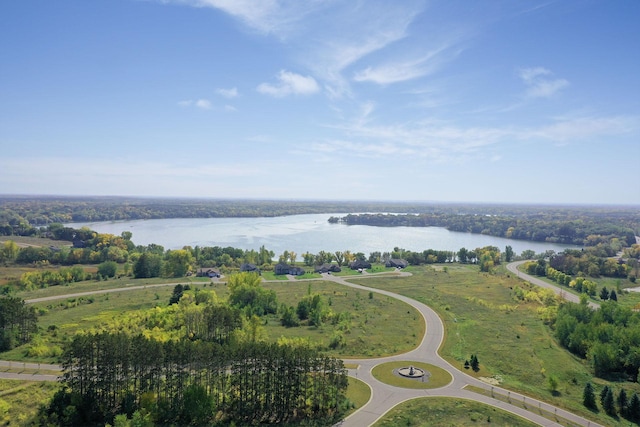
[511,342]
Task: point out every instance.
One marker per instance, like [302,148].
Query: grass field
[441,411]
[358,394]
[378,324]
[512,345]
[20,400]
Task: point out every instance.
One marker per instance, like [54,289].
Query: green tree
[463,255]
[9,251]
[508,253]
[475,364]
[108,269]
[608,403]
[623,402]
[552,380]
[589,397]
[148,265]
[178,292]
[634,408]
[18,322]
[177,263]
[288,316]
[604,293]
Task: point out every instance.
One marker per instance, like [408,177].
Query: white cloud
[540,83]
[203,104]
[290,84]
[228,93]
[399,71]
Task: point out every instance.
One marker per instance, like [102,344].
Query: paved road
[20,367]
[513,267]
[103,291]
[383,396]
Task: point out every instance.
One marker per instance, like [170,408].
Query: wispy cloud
[565,131]
[444,142]
[203,104]
[278,17]
[400,71]
[290,84]
[228,93]
[541,83]
[324,36]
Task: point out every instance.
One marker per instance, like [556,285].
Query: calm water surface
[302,233]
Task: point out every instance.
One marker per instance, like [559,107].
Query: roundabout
[411,375]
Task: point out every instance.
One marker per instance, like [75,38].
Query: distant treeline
[555,225]
[22,215]
[23,211]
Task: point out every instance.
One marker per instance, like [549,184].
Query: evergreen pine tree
[589,397]
[634,408]
[613,296]
[608,403]
[475,364]
[623,402]
[603,394]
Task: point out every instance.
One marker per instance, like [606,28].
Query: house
[208,272]
[251,268]
[281,269]
[397,263]
[328,268]
[360,265]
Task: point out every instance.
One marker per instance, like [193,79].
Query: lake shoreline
[303,233]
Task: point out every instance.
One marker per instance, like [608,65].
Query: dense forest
[555,225]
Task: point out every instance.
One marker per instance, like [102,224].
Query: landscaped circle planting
[392,373]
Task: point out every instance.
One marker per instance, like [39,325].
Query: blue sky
[472,101]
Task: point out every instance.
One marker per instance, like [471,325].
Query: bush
[108,269]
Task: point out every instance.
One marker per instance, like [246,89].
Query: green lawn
[442,411]
[358,394]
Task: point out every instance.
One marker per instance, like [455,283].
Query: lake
[303,233]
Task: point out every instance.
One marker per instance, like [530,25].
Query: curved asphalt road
[383,396]
[513,267]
